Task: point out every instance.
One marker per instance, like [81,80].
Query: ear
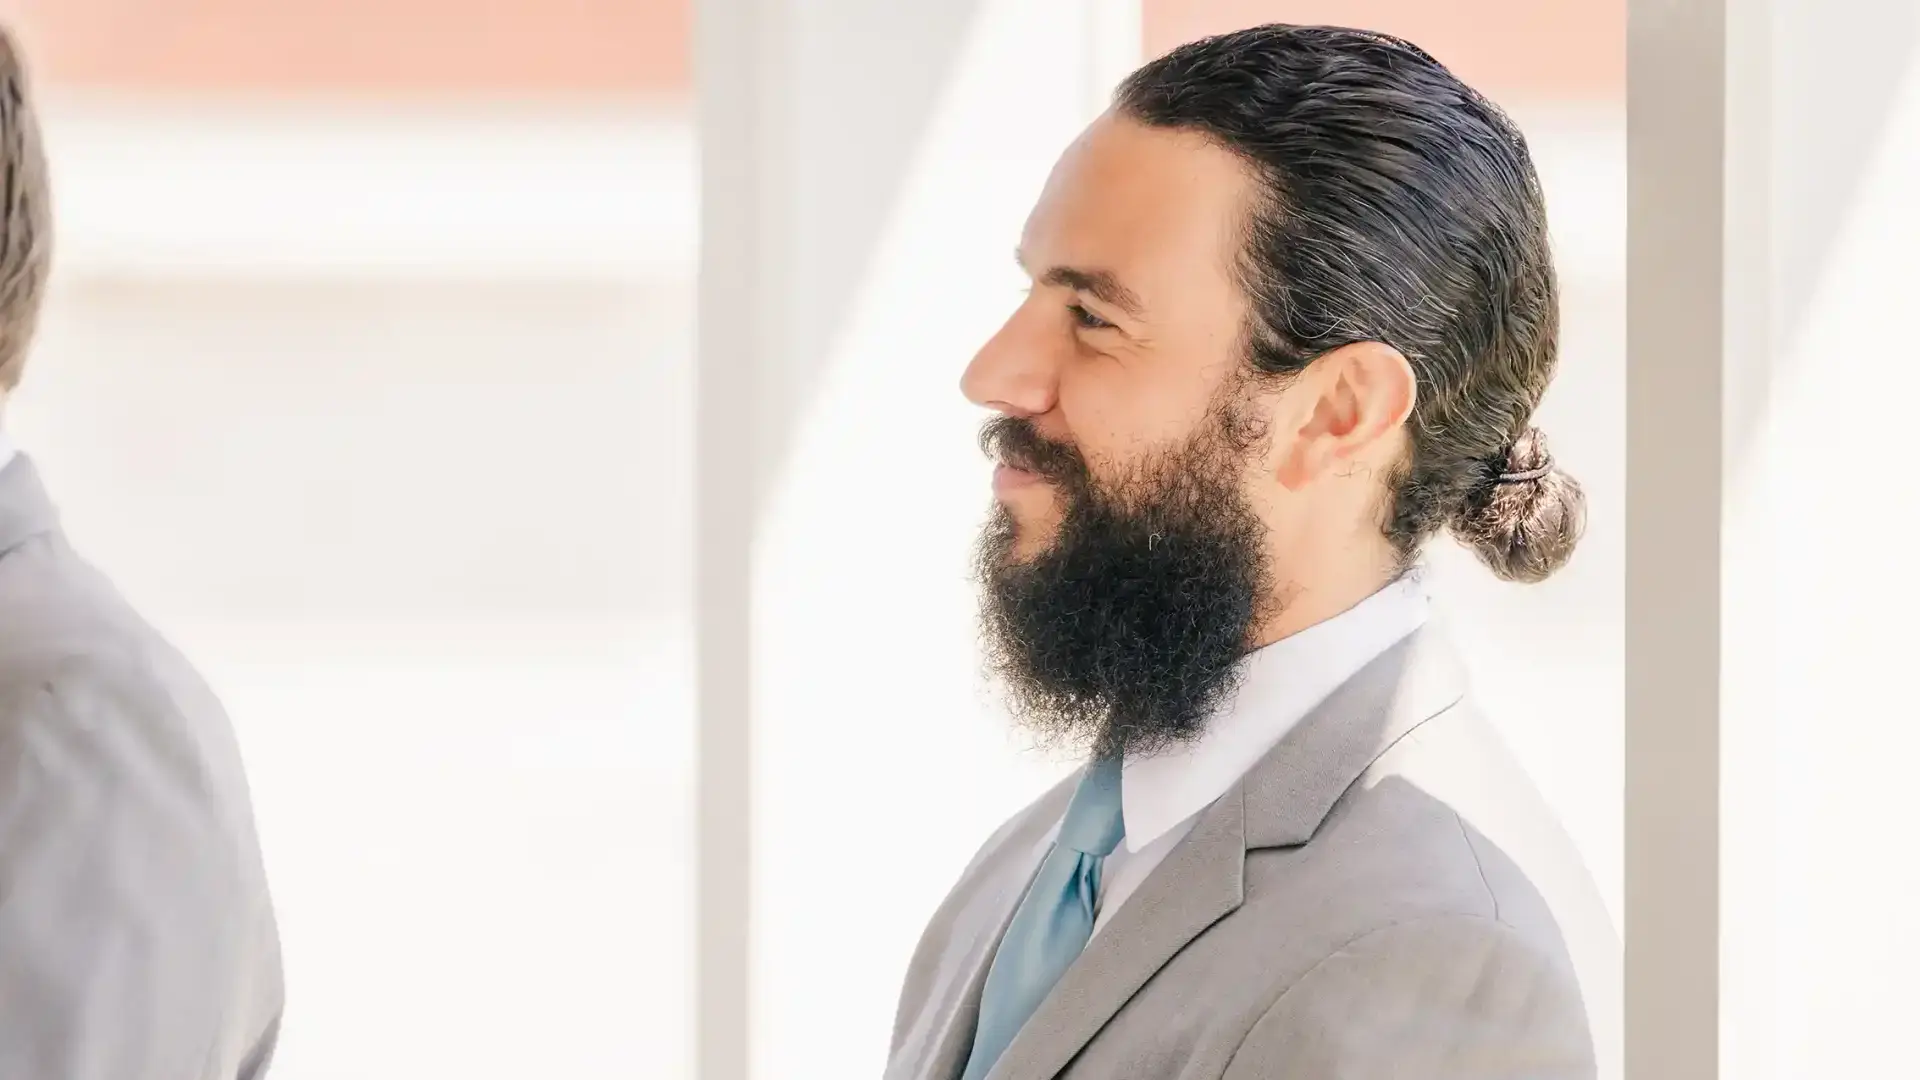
[1345,410]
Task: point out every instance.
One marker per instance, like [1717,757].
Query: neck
[1303,601]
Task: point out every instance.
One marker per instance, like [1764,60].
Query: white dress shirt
[1162,794]
[7,450]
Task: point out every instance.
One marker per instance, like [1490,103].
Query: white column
[735,90]
[1676,195]
[1774,146]
[868,165]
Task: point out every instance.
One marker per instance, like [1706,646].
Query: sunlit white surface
[469,192]
[479,841]
[1823,876]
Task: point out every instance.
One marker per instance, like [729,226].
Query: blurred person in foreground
[137,941]
[1292,310]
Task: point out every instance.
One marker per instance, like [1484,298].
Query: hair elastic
[1527,476]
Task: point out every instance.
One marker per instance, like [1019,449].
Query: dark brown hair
[26,234]
[1398,206]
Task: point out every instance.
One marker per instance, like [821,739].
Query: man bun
[1526,518]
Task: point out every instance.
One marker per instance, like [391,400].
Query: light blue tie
[1054,921]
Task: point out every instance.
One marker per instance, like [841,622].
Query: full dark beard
[1128,631]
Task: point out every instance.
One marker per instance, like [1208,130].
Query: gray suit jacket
[1384,896]
[137,941]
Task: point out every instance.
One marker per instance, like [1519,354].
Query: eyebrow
[1099,284]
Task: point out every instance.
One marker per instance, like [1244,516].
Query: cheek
[1115,414]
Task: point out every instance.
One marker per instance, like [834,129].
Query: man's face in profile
[1125,565]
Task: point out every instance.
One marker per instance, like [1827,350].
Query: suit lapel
[1293,789]
[1279,803]
[937,1046]
[1198,885]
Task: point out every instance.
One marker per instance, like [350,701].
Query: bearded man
[1293,309]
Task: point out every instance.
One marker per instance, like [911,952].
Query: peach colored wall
[386,47]
[1556,49]
[1513,48]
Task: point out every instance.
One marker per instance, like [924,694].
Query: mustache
[1015,442]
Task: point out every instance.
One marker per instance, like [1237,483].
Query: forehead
[1160,209]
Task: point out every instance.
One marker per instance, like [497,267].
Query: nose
[1014,372]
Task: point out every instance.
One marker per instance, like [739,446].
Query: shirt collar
[1281,684]
[7,450]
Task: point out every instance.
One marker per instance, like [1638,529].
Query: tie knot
[1093,825]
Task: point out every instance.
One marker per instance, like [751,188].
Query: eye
[1087,320]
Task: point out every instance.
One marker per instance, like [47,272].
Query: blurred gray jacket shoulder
[137,938]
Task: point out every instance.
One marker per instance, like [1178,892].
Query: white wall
[1818,736]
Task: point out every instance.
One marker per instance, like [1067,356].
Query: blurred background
[368,372]
[365,375]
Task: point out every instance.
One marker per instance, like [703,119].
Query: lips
[1013,443]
